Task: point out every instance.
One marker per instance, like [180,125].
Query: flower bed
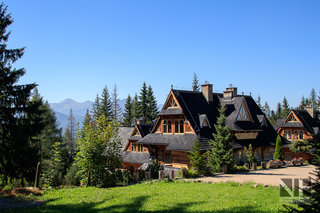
[276,163]
[298,161]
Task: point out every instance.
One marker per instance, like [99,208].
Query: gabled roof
[124,133]
[135,157]
[196,109]
[137,132]
[304,120]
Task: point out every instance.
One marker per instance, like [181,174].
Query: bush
[71,179]
[241,168]
[300,146]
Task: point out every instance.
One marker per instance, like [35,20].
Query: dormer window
[243,113]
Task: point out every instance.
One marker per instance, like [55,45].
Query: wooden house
[189,115]
[298,125]
[136,154]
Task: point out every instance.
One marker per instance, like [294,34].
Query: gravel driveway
[266,177]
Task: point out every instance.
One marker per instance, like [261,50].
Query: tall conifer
[20,123]
[221,147]
[127,114]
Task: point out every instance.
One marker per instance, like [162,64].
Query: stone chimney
[207,91]
[230,92]
[311,110]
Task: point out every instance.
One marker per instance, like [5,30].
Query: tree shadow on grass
[135,205]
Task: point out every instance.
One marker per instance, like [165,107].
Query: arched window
[285,134]
[181,126]
[296,135]
[165,126]
[169,127]
[176,126]
[301,135]
[289,135]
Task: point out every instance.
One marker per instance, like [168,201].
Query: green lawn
[163,197]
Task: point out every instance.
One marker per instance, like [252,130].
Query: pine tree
[259,102]
[115,107]
[106,104]
[313,97]
[302,103]
[72,133]
[196,158]
[285,108]
[128,115]
[221,148]
[96,107]
[278,153]
[135,109]
[20,123]
[195,83]
[143,101]
[266,110]
[152,108]
[279,110]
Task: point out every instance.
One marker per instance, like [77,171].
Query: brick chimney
[207,91]
[230,92]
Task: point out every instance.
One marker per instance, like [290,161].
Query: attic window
[172,103]
[243,113]
[292,118]
[204,122]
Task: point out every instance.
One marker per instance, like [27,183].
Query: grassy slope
[163,197]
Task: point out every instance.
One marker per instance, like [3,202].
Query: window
[165,126]
[296,135]
[176,126]
[133,147]
[285,134]
[181,126]
[288,156]
[243,114]
[168,158]
[289,135]
[301,135]
[169,127]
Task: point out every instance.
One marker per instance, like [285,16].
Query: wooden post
[136,177]
[37,181]
[171,174]
[263,165]
[247,165]
[183,172]
[225,169]
[210,170]
[254,166]
[161,175]
[148,176]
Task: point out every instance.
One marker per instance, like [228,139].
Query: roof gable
[292,118]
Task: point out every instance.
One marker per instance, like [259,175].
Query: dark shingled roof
[144,129]
[135,157]
[307,122]
[124,133]
[195,107]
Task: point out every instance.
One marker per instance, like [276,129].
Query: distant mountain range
[62,110]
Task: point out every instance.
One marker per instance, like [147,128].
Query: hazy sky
[74,48]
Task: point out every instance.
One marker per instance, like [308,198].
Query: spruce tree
[96,107]
[143,101]
[20,125]
[135,109]
[115,107]
[302,103]
[127,114]
[195,83]
[278,153]
[106,104]
[285,108]
[152,108]
[221,147]
[72,136]
[313,97]
[279,110]
[266,110]
[196,158]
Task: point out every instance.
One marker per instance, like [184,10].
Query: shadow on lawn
[134,206]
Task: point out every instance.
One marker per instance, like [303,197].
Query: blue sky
[74,48]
